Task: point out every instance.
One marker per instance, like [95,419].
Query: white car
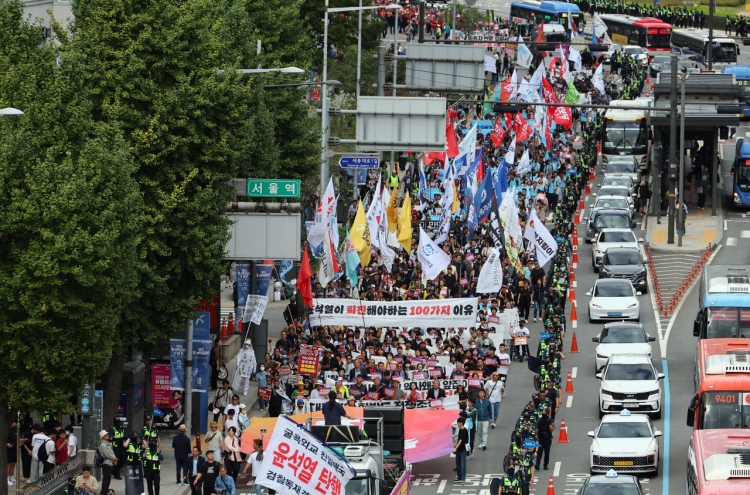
[609,238]
[625,442]
[620,337]
[637,52]
[621,191]
[618,179]
[610,202]
[613,299]
[629,381]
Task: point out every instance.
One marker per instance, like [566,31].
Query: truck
[723,302]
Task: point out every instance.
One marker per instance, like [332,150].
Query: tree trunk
[4,430]
[114,385]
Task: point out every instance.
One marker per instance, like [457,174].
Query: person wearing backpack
[106,459]
[47,451]
[37,440]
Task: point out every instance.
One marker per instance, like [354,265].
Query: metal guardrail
[56,479]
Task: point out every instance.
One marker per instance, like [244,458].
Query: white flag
[326,207]
[387,255]
[597,80]
[513,228]
[510,156]
[540,237]
[575,57]
[446,203]
[599,27]
[374,212]
[328,264]
[536,79]
[523,56]
[491,276]
[335,226]
[525,164]
[430,256]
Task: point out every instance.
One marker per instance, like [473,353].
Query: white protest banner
[540,238]
[438,313]
[297,462]
[491,276]
[254,309]
[431,257]
[490,64]
[449,402]
[507,320]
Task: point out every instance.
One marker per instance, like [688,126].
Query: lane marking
[569,402]
[667,410]
[745,234]
[574,371]
[441,487]
[556,473]
[731,241]
[725,225]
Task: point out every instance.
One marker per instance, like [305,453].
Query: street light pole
[681,151]
[325,124]
[672,150]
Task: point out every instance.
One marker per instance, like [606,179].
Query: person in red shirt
[61,447]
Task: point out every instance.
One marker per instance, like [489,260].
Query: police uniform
[149,432]
[117,434]
[152,469]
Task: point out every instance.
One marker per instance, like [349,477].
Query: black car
[625,262]
[607,218]
[658,63]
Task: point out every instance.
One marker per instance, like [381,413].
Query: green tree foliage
[68,228]
[152,68]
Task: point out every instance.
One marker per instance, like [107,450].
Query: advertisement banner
[309,361]
[263,278]
[202,325]
[442,313]
[243,284]
[201,352]
[160,389]
[297,462]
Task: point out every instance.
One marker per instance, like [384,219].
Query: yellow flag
[454,208]
[392,211]
[360,236]
[404,224]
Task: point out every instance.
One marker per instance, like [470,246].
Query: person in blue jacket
[224,484]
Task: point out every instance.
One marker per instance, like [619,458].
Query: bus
[647,32]
[627,132]
[718,463]
[742,78]
[723,303]
[531,12]
[693,43]
[721,383]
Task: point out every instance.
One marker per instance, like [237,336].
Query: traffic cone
[588,187]
[551,487]
[575,257]
[563,438]
[581,205]
[571,294]
[598,146]
[648,81]
[591,175]
[231,327]
[574,316]
[224,334]
[569,385]
[574,237]
[572,277]
[574,344]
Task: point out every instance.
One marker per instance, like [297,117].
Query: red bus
[718,463]
[722,385]
[649,33]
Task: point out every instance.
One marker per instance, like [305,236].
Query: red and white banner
[309,360]
[439,313]
[297,462]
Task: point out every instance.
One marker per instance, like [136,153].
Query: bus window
[744,323]
[629,139]
[724,410]
[722,323]
[742,178]
[658,40]
[725,52]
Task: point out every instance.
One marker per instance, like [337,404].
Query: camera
[263,430]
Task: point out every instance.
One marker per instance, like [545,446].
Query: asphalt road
[673,353]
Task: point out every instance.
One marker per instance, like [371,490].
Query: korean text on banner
[201,353]
[297,462]
[177,364]
[160,388]
[254,309]
[440,313]
[309,360]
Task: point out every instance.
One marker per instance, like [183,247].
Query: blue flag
[545,335]
[483,198]
[285,267]
[500,180]
[422,186]
[530,444]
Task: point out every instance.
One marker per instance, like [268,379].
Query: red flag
[522,128]
[303,280]
[333,254]
[452,114]
[509,121]
[540,34]
[548,126]
[431,156]
[451,149]
[498,133]
[548,93]
[563,117]
[505,89]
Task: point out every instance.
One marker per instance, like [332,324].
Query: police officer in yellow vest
[509,483]
[117,435]
[132,449]
[152,458]
[149,431]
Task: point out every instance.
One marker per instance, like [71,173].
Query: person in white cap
[315,394]
[246,364]
[109,460]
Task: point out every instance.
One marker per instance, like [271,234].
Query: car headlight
[599,253]
[596,306]
[653,392]
[602,356]
[596,459]
[606,392]
[633,305]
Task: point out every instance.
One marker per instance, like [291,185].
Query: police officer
[152,457]
[544,429]
[525,469]
[148,432]
[117,435]
[132,449]
[509,482]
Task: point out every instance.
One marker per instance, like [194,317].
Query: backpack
[42,454]
[98,458]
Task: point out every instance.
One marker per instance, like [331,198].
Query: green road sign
[273,188]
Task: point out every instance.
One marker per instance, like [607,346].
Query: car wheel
[655,474]
[596,267]
[656,415]
[587,241]
[645,289]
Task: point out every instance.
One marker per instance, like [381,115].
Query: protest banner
[309,361]
[440,313]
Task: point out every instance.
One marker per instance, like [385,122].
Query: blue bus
[742,76]
[724,302]
[532,13]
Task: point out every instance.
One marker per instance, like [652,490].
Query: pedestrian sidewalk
[701,230]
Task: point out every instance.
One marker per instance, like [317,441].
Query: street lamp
[325,124]
[283,70]
[681,213]
[10,111]
[331,82]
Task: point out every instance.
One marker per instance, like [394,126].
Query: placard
[373,395]
[436,373]
[264,393]
[418,375]
[309,361]
[390,393]
[436,403]
[475,383]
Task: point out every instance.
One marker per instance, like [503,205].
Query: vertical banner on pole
[243,284]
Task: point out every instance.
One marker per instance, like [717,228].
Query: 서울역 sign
[273,188]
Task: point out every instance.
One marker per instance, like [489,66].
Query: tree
[152,69]
[70,216]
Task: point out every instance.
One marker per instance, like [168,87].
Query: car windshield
[623,192]
[725,52]
[614,289]
[621,166]
[661,59]
[628,138]
[630,371]
[624,430]
[631,50]
[623,258]
[357,486]
[611,489]
[617,237]
[723,409]
[612,221]
[622,335]
[611,202]
[722,323]
[621,181]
